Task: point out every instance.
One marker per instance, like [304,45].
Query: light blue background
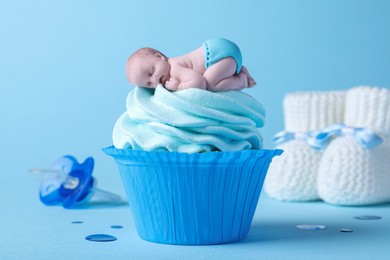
[63,84]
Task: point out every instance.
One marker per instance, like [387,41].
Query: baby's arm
[183,78]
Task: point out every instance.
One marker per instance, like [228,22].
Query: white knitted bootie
[293,176]
[349,173]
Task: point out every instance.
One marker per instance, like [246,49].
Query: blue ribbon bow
[364,136]
[283,137]
[320,139]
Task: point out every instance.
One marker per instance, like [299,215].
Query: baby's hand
[172,84]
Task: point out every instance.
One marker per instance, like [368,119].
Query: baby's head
[147,67]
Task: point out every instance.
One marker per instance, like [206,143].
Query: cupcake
[191,163]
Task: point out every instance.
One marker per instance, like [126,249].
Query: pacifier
[69,183]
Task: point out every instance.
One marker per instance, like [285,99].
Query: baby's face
[149,71]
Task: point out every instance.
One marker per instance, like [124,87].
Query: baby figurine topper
[215,66]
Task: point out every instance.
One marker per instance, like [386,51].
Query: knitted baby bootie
[293,176]
[355,167]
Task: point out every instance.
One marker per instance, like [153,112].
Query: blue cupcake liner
[192,199]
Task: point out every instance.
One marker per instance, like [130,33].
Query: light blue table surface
[31,230]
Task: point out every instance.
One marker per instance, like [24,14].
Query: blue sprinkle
[100,238]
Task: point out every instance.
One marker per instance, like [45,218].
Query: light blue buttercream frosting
[190,121]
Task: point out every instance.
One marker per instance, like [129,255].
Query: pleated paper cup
[192,199]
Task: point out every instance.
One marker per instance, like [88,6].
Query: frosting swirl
[191,120]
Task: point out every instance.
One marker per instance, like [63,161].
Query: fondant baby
[215,66]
